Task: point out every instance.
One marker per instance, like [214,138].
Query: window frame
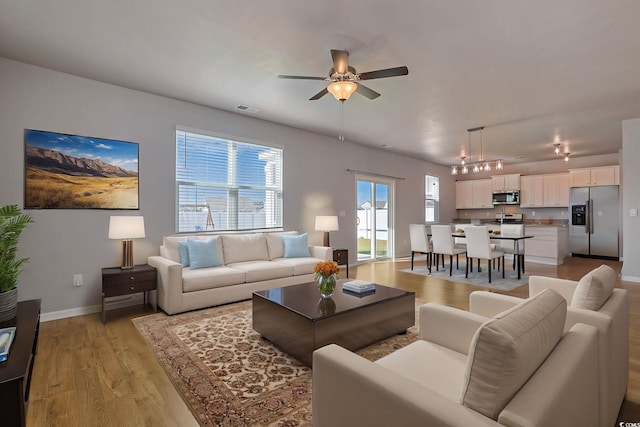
[233,189]
[435,200]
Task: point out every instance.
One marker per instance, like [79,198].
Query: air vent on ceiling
[247,109]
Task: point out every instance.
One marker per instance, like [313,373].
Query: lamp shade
[327,223]
[342,90]
[126,227]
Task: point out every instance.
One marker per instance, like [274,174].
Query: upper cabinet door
[464,194]
[580,178]
[531,193]
[512,182]
[509,182]
[556,190]
[605,175]
[482,194]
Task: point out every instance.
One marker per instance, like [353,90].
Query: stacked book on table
[359,286]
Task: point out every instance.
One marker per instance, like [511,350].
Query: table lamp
[326,224]
[126,228]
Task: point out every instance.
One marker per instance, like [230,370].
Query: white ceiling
[529,71]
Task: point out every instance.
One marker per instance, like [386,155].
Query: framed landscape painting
[79,172]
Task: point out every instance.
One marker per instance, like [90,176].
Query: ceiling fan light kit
[481,165]
[342,90]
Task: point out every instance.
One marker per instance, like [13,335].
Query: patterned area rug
[228,375]
[509,282]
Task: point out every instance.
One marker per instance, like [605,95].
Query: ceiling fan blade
[301,77]
[389,72]
[340,62]
[365,91]
[319,95]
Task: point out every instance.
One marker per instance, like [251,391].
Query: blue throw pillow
[203,253]
[184,253]
[296,246]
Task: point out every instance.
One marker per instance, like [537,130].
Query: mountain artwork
[79,172]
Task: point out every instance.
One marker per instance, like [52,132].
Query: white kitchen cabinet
[464,194]
[593,177]
[509,182]
[474,194]
[550,245]
[555,190]
[531,191]
[482,194]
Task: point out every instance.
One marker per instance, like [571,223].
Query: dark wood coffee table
[297,320]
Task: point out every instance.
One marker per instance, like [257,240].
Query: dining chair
[515,247]
[443,245]
[420,243]
[479,246]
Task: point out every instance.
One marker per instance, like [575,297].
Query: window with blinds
[431,198]
[226,185]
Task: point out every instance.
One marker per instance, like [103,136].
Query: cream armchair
[451,377]
[611,318]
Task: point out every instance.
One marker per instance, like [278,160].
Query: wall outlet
[533,213]
[77,280]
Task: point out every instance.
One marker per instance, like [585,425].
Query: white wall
[62,243]
[630,199]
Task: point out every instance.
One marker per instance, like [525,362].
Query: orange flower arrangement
[326,268]
[326,274]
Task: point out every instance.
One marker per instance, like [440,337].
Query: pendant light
[481,165]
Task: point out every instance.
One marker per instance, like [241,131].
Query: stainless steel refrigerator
[594,222]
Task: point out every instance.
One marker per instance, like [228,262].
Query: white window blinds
[223,184]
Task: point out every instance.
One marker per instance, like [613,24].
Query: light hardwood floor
[93,374]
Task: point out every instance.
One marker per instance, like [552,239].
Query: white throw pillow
[244,247]
[508,349]
[595,288]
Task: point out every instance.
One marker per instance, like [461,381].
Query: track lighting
[566,157]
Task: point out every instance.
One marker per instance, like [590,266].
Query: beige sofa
[593,300]
[249,263]
[516,369]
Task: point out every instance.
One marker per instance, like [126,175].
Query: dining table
[518,252]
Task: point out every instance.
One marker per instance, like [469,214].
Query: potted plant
[12,223]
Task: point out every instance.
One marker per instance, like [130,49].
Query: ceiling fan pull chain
[341,137]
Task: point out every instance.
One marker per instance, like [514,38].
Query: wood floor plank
[105,374]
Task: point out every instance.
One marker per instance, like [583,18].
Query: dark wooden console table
[15,372]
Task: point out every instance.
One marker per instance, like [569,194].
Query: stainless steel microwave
[506,198]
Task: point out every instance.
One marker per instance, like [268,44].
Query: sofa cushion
[171,245]
[507,350]
[183,248]
[203,253]
[443,374]
[275,247]
[595,288]
[296,246]
[257,271]
[300,266]
[244,247]
[208,278]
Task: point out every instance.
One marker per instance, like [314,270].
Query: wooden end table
[117,281]
[341,256]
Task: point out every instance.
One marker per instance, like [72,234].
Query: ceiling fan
[345,80]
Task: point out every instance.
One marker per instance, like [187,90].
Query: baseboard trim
[91,309]
[634,279]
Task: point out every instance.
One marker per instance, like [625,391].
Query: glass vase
[326,285]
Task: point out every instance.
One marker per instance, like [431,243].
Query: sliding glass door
[374,208]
